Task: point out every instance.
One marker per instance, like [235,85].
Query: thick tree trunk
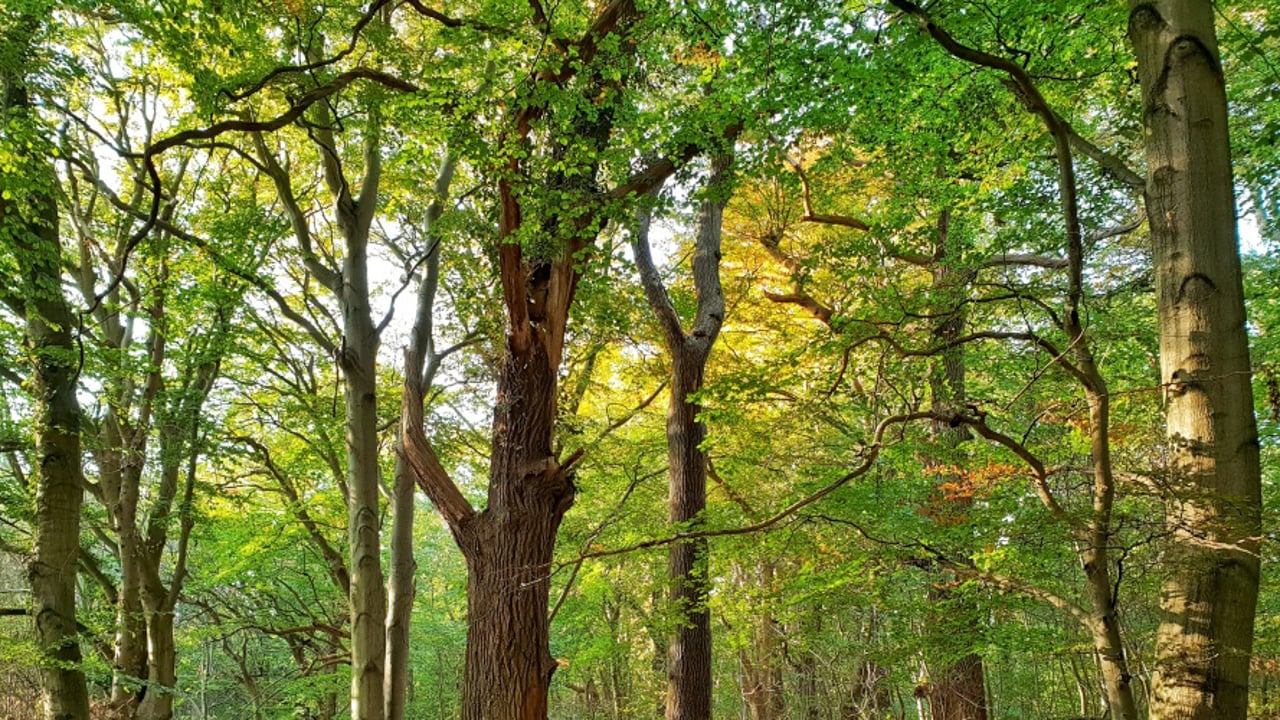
[957,691]
[508,548]
[1213,513]
[162,654]
[32,233]
[59,495]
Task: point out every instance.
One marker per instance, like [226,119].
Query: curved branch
[869,456]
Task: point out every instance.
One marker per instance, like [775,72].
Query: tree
[33,248]
[689,654]
[1213,510]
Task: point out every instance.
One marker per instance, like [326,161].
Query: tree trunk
[1093,542]
[957,692]
[119,479]
[508,548]
[761,660]
[957,689]
[162,655]
[401,589]
[420,365]
[368,601]
[689,651]
[32,233]
[1213,513]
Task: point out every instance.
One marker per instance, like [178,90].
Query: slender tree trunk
[119,481]
[1210,591]
[401,589]
[957,688]
[689,651]
[180,448]
[368,599]
[1094,540]
[760,661]
[420,364]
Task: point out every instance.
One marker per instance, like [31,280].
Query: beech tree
[1213,508]
[33,249]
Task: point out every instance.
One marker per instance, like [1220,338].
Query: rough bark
[689,651]
[957,689]
[1210,590]
[509,548]
[33,234]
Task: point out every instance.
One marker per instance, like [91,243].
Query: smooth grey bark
[420,365]
[180,450]
[1213,510]
[689,652]
[356,357]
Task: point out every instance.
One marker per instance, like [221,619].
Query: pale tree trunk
[760,660]
[1213,512]
[689,652]
[32,233]
[357,359]
[420,365]
[180,450]
[124,436]
[121,456]
[120,468]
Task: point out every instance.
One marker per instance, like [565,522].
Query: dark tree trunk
[509,546]
[32,235]
[957,688]
[689,651]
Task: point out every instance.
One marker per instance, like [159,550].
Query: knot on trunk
[551,478]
